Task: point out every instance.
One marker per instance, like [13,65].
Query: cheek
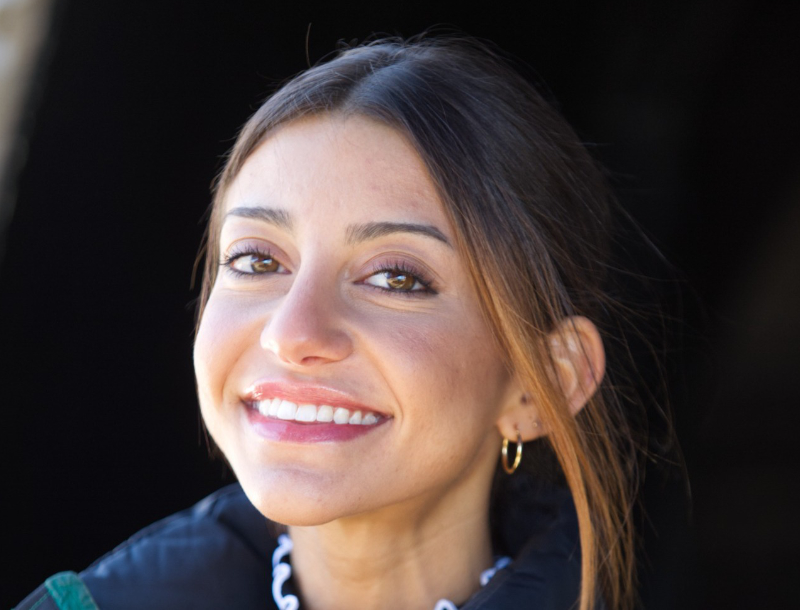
[448,383]
[222,336]
[445,364]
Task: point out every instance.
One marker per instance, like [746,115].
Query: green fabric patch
[69,592]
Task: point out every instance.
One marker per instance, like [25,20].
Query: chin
[295,497]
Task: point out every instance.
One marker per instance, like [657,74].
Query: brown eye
[399,281]
[263,264]
[255,264]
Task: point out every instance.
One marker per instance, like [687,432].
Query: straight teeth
[285,409]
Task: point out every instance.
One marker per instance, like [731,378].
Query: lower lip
[289,431]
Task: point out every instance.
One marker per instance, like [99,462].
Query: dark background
[693,107]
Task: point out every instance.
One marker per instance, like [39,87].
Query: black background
[693,107]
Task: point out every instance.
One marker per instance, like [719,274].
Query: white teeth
[273,407]
[325,413]
[306,413]
[287,410]
[369,419]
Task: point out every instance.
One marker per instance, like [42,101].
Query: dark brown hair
[530,210]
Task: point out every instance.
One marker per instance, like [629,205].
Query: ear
[579,365]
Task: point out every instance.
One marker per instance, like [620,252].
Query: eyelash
[398,267]
[401,267]
[238,253]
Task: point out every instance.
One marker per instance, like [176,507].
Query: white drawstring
[281,572]
[487,575]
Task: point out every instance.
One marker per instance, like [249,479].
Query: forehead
[338,166]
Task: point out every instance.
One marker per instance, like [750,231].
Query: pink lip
[305,393]
[281,430]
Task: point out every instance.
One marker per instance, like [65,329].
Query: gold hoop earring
[517,458]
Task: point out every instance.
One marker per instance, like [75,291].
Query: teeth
[306,413]
[287,410]
[325,413]
[369,419]
[273,407]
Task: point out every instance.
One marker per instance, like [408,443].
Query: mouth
[303,413]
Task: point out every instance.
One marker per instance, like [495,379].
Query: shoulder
[215,554]
[61,591]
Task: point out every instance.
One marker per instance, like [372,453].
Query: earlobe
[521,418]
[579,362]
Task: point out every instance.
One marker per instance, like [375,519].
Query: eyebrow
[372,230]
[355,233]
[274,216]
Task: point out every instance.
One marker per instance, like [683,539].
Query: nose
[305,327]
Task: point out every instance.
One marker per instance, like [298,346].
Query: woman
[403,286]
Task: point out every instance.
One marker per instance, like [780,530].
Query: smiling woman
[405,250]
[353,309]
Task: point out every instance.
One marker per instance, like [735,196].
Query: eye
[399,279]
[252,262]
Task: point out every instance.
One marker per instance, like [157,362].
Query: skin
[371,514]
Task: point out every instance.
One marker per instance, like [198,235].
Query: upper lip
[305,393]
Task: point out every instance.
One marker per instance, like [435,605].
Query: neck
[391,561]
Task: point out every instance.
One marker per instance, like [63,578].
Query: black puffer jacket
[217,554]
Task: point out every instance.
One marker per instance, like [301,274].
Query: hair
[531,212]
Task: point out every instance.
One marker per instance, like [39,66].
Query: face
[343,364]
